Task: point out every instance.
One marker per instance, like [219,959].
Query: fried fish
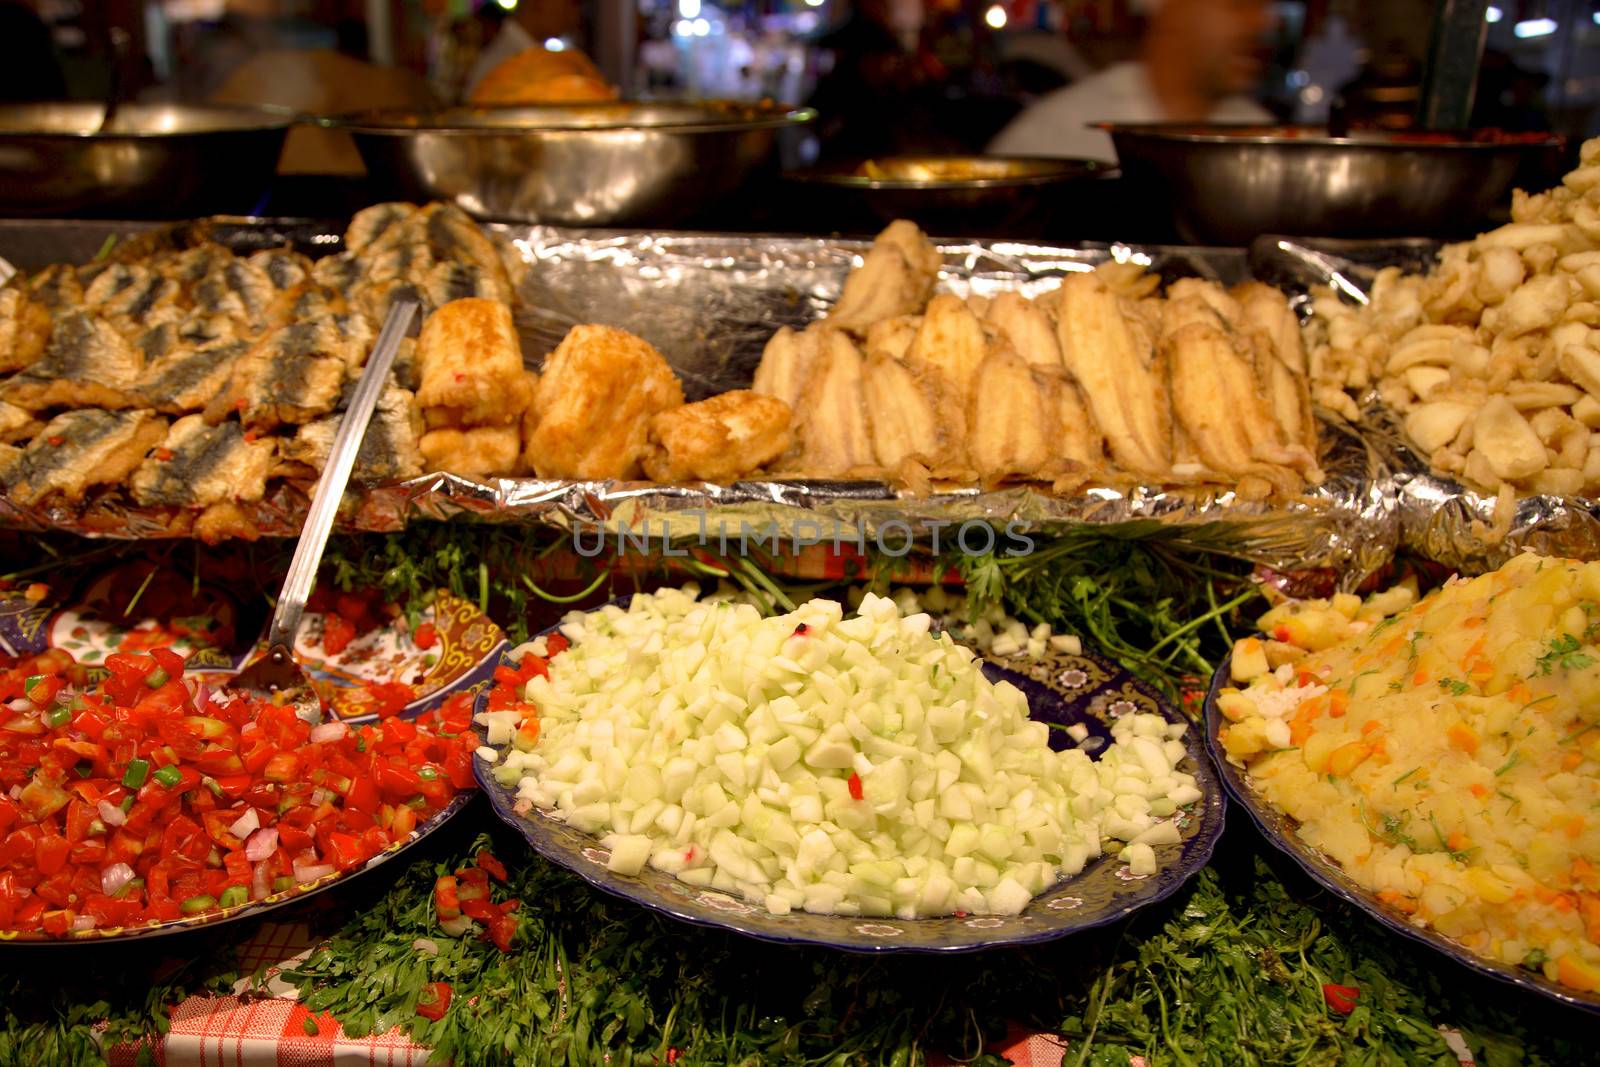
[477,452]
[187,379]
[786,364]
[291,375]
[389,452]
[381,225]
[80,449]
[720,439]
[24,329]
[86,364]
[896,277]
[17,424]
[469,363]
[198,465]
[594,401]
[831,426]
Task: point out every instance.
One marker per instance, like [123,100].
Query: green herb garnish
[1516,754]
[1563,652]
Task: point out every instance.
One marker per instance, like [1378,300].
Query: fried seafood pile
[190,376]
[1493,359]
[1100,381]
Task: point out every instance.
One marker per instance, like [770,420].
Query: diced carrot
[1463,737]
[1370,726]
[1420,678]
[1580,975]
[1379,748]
[1398,900]
[1458,842]
[1481,671]
[1519,693]
[1589,908]
[1394,645]
[1299,730]
[1564,903]
[1571,760]
[1478,789]
[1472,622]
[1584,874]
[1473,651]
[1338,703]
[1347,758]
[1574,826]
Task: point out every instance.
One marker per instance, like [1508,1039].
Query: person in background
[530,23]
[31,70]
[1197,60]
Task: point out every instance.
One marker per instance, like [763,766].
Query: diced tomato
[502,927]
[50,854]
[389,698]
[555,644]
[446,900]
[496,869]
[337,633]
[426,636]
[434,1000]
[1341,998]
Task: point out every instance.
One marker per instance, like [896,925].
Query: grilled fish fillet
[470,362]
[389,452]
[787,363]
[831,421]
[1127,401]
[896,277]
[24,329]
[1007,432]
[198,465]
[479,452]
[595,397]
[1026,327]
[86,364]
[80,449]
[720,439]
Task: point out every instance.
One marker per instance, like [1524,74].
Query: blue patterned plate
[1061,689]
[1282,832]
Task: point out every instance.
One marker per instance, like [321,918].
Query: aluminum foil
[1439,518]
[709,303]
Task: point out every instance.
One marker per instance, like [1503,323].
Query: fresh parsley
[1564,652]
[1455,686]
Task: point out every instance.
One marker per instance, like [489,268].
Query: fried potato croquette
[720,439]
[469,365]
[595,397]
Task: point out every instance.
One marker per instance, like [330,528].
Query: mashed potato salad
[809,761]
[1445,753]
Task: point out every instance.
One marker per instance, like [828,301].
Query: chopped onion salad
[850,766]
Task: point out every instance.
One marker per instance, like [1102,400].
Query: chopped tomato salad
[147,797]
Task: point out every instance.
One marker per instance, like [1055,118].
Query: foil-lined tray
[1439,517]
[709,302]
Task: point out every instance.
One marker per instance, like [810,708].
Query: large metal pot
[605,164]
[155,160]
[1229,184]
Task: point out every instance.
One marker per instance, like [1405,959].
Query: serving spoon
[277,675]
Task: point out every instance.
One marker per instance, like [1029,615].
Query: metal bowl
[1230,184]
[604,164]
[155,160]
[954,195]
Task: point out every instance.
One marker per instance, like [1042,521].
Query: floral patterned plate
[137,607]
[1281,831]
[1061,689]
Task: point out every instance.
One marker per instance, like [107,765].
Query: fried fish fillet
[287,270]
[1219,402]
[1117,379]
[291,375]
[1266,309]
[950,344]
[1128,279]
[241,291]
[478,452]
[892,337]
[787,363]
[453,237]
[1211,294]
[57,287]
[389,452]
[381,225]
[86,363]
[1076,438]
[1009,426]
[720,439]
[80,449]
[198,465]
[594,400]
[831,421]
[24,329]
[902,415]
[17,424]
[1028,329]
[444,282]
[896,277]
[469,362]
[188,379]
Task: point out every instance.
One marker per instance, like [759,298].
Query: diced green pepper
[169,776]
[197,904]
[282,882]
[157,678]
[233,896]
[138,770]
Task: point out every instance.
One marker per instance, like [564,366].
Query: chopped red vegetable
[434,1000]
[496,869]
[856,792]
[131,801]
[1341,998]
[426,636]
[463,898]
[337,633]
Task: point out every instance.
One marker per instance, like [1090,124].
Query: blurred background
[907,75]
[886,76]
